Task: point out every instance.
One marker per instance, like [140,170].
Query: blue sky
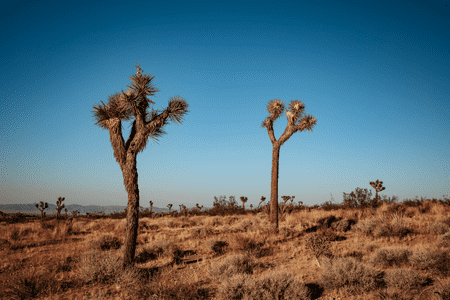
[375,75]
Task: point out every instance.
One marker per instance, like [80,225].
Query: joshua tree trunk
[274,185]
[130,178]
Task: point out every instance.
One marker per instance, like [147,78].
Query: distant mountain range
[30,209]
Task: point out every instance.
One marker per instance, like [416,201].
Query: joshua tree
[65,212]
[198,208]
[378,186]
[243,199]
[59,207]
[170,207]
[151,207]
[43,206]
[262,200]
[276,108]
[123,106]
[74,213]
[251,206]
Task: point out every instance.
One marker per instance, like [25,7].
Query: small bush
[438,228]
[27,284]
[272,285]
[444,240]
[200,231]
[99,267]
[431,260]
[390,257]
[232,265]
[247,245]
[106,242]
[349,272]
[216,246]
[404,279]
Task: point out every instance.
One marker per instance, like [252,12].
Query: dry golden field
[394,251]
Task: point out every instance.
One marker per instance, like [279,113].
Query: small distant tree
[243,199]
[170,207]
[65,212]
[74,213]
[251,206]
[276,108]
[151,207]
[59,207]
[198,208]
[378,186]
[123,106]
[262,200]
[43,206]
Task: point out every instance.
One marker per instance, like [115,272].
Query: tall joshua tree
[123,106]
[276,108]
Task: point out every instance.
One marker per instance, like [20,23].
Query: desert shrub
[226,229]
[328,206]
[425,207]
[215,221]
[368,225]
[360,199]
[4,244]
[444,240]
[216,246]
[281,284]
[342,225]
[372,247]
[231,219]
[247,245]
[231,266]
[350,273]
[396,227]
[105,242]
[27,283]
[272,285]
[98,266]
[404,279]
[47,225]
[245,225]
[131,282]
[438,261]
[14,234]
[438,228]
[200,231]
[412,203]
[326,222]
[389,257]
[445,221]
[318,245]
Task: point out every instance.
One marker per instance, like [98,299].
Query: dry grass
[395,251]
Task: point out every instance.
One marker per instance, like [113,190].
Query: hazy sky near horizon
[375,75]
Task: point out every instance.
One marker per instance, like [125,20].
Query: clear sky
[375,75]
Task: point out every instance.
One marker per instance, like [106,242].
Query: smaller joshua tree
[59,207]
[43,206]
[243,199]
[262,200]
[151,207]
[251,206]
[74,213]
[198,208]
[378,186]
[170,207]
[65,212]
